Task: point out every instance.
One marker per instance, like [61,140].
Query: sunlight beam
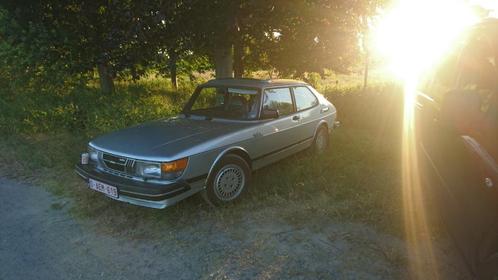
[413,36]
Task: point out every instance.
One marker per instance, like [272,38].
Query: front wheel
[321,141]
[228,181]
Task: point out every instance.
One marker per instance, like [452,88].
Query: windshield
[225,102]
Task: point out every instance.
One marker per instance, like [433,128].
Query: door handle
[296,118]
[324,109]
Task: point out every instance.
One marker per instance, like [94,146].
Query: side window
[478,67]
[304,98]
[478,76]
[278,99]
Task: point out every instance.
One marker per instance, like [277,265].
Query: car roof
[252,83]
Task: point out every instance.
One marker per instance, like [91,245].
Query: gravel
[40,239]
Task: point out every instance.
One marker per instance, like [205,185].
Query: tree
[211,26]
[309,36]
[291,36]
[111,36]
[175,39]
[126,37]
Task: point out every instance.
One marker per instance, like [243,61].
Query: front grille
[117,173]
[121,165]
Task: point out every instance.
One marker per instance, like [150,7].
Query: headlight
[148,169]
[166,170]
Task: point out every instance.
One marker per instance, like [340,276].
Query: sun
[413,35]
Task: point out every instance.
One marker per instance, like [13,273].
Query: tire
[229,180]
[321,141]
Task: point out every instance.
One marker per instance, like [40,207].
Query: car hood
[164,140]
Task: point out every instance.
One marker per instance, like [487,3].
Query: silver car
[227,129]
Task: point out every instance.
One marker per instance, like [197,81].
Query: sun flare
[413,36]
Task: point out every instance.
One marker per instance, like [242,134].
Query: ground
[335,215]
[41,239]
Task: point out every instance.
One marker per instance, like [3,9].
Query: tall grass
[85,109]
[357,179]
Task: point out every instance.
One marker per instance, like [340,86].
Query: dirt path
[39,239]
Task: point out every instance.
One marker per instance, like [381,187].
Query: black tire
[223,187]
[320,144]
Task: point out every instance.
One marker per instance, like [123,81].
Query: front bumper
[144,193]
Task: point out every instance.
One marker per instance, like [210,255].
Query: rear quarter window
[305,99]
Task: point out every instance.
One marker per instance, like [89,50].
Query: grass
[356,180]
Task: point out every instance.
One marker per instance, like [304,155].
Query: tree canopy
[125,38]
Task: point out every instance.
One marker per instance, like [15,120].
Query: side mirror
[269,114]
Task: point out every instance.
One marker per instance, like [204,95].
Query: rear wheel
[228,181]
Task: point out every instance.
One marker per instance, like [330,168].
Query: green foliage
[52,43]
[86,110]
[314,79]
[188,64]
[292,37]
[70,39]
[313,35]
[23,57]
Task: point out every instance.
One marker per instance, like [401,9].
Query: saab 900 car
[227,129]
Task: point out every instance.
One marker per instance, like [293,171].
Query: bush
[85,109]
[377,107]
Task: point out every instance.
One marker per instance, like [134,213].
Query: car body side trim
[156,197]
[197,178]
[283,148]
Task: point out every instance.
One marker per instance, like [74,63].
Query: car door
[307,110]
[457,130]
[276,135]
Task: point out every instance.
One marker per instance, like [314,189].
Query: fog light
[84,158]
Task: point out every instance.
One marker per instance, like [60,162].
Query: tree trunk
[105,78]
[365,74]
[238,54]
[223,61]
[173,57]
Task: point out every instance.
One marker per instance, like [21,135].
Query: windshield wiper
[206,117]
[186,114]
